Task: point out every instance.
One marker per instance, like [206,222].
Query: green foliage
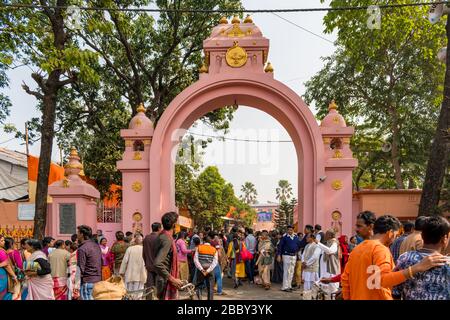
[284,190]
[388,84]
[208,196]
[143,58]
[249,193]
[284,215]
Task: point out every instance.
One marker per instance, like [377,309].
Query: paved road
[255,292]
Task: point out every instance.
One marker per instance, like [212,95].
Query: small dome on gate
[140,120]
[333,118]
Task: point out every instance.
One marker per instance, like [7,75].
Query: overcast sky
[295,55]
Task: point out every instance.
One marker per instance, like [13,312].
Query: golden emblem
[128,143]
[137,156]
[336,120]
[136,186]
[337,184]
[236,32]
[236,56]
[147,142]
[326,140]
[137,216]
[138,122]
[336,215]
[337,154]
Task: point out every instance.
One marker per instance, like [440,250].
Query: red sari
[345,252]
[60,288]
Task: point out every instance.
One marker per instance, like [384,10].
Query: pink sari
[40,287]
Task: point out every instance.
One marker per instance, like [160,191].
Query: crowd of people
[377,263]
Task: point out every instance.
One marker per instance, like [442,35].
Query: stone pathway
[255,292]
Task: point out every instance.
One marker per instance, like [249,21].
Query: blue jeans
[86,291]
[218,276]
[250,269]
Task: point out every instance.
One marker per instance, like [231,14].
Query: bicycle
[187,292]
[189,289]
[142,294]
[320,294]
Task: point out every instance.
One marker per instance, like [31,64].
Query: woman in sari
[73,283]
[6,270]
[106,259]
[237,265]
[38,272]
[25,255]
[59,260]
[265,259]
[277,273]
[345,250]
[16,261]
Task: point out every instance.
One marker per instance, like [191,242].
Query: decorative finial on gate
[223,20]
[332,105]
[141,108]
[248,19]
[73,152]
[268,68]
[235,20]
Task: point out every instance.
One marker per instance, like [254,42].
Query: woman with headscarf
[345,251]
[38,272]
[106,259]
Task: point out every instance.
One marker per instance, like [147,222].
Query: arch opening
[271,97]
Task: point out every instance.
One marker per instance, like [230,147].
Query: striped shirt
[205,257]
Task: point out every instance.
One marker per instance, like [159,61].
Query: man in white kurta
[310,264]
[329,264]
[133,267]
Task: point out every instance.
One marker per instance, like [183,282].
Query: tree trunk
[50,88]
[395,154]
[47,134]
[438,160]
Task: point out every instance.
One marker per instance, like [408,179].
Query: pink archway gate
[255,90]
[234,72]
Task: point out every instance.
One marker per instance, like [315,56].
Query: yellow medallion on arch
[337,184]
[136,186]
[336,215]
[236,56]
[137,156]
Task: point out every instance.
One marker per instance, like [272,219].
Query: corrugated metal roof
[14,157]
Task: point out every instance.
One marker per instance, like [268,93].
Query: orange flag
[56,174]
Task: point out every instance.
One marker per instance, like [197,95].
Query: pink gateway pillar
[135,174]
[74,202]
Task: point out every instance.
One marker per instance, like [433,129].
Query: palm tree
[248,193]
[284,190]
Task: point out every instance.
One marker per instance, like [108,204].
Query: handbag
[245,254]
